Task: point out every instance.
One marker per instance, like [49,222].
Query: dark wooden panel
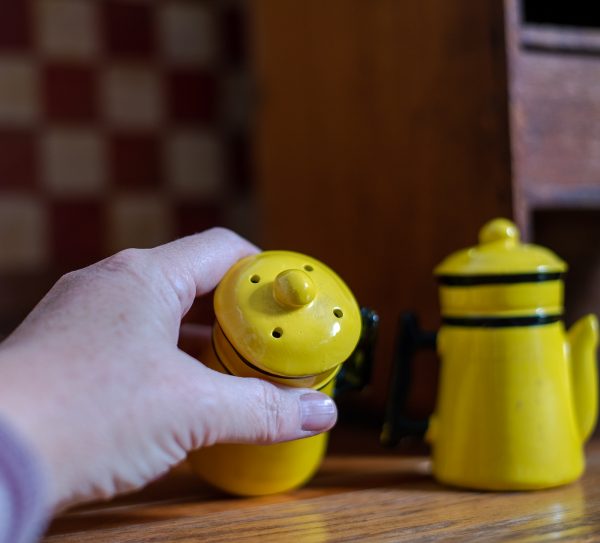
[382,141]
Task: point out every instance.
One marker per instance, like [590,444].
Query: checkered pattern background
[122,124]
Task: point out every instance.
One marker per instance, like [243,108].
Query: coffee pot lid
[287,314]
[500,252]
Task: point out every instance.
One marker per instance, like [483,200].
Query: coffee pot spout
[583,342]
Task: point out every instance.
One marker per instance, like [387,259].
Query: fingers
[256,411]
[251,410]
[233,409]
[195,264]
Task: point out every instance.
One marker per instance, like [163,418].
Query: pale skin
[94,381]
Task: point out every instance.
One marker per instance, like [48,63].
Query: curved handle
[356,371]
[583,342]
[410,340]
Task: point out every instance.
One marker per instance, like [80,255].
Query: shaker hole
[308,268]
[277,333]
[255,278]
[338,312]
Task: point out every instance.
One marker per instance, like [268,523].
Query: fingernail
[318,412]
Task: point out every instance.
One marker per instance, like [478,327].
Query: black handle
[357,370]
[410,340]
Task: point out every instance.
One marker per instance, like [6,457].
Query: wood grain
[382,143]
[353,498]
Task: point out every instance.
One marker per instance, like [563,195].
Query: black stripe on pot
[256,368]
[329,381]
[499,279]
[500,322]
[216,353]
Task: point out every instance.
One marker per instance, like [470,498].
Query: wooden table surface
[381,497]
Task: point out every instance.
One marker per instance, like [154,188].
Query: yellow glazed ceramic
[287,318]
[518,396]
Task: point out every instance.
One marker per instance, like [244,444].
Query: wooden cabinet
[554,77]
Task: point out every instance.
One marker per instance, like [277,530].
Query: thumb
[256,411]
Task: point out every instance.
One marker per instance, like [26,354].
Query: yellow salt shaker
[289,319]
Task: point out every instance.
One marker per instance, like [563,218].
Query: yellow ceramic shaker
[287,318]
[517,397]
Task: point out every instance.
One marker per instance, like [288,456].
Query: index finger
[195,264]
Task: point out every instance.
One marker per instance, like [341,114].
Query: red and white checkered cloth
[120,125]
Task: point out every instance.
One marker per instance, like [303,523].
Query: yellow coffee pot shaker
[517,395]
[287,318]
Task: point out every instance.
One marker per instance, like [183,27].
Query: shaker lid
[500,252]
[287,313]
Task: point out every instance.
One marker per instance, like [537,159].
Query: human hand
[94,381]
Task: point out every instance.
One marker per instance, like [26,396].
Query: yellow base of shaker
[506,484]
[256,470]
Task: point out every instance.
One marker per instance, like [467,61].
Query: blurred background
[376,136]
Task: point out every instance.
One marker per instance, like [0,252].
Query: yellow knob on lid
[499,230]
[294,288]
[500,253]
